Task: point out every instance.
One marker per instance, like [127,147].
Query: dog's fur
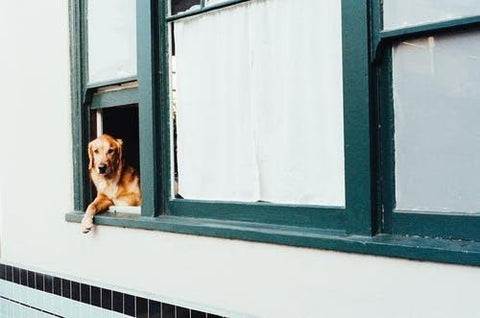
[116,183]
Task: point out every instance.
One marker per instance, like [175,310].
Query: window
[111,40]
[108,84]
[248,131]
[306,123]
[428,110]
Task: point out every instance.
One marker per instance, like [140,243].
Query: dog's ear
[90,156]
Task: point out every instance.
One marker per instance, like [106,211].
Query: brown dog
[116,183]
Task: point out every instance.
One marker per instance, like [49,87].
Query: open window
[120,119]
[111,86]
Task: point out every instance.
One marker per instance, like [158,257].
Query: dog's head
[105,155]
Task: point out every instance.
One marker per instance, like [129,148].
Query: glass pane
[258,103]
[178,6]
[112,47]
[402,13]
[437,116]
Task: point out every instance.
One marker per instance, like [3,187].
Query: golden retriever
[116,183]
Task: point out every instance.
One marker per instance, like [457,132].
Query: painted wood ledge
[409,247]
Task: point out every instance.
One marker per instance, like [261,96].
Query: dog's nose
[102,168]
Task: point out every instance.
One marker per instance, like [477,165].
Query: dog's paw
[87,223]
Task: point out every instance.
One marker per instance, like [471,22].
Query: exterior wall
[227,277]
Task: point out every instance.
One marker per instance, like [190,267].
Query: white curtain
[259,101]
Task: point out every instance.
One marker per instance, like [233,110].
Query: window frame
[354,218]
[359,229]
[85,100]
[454,225]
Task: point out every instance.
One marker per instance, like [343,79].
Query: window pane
[259,103]
[178,6]
[402,13]
[112,48]
[437,116]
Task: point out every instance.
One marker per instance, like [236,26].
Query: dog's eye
[95,151]
[110,150]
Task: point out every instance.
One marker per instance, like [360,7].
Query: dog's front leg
[101,203]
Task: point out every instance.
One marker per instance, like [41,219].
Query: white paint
[125,209]
[212,2]
[99,121]
[1,224]
[260,103]
[250,279]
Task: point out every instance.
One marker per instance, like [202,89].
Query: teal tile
[45,301]
[48,303]
[57,305]
[3,308]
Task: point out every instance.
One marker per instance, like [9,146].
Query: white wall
[249,278]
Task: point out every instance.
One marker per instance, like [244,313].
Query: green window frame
[89,98]
[428,223]
[361,226]
[354,218]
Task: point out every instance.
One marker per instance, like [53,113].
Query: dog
[115,182]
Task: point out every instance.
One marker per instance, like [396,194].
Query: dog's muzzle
[102,168]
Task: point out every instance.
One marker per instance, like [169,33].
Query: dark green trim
[80,120]
[116,98]
[430,28]
[375,22]
[162,150]
[204,9]
[356,98]
[386,37]
[333,218]
[387,133]
[417,248]
[449,226]
[84,40]
[112,82]
[376,25]
[148,66]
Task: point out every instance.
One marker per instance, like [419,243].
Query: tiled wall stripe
[30,307]
[15,309]
[48,302]
[127,304]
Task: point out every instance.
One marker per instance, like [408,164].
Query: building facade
[272,183]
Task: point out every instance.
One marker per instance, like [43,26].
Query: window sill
[410,247]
